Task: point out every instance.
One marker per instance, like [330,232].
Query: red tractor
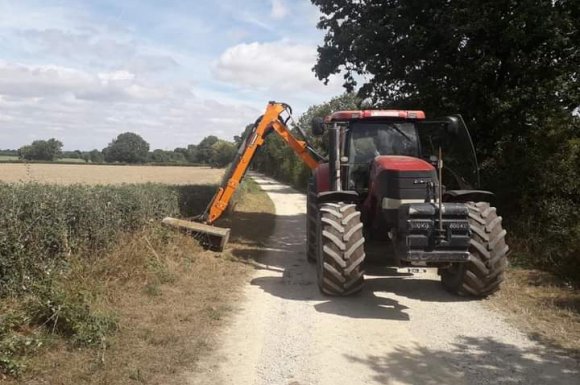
[386,192]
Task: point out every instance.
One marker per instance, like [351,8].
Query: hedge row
[42,225]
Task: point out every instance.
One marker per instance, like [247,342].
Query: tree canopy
[223,153]
[504,66]
[47,150]
[127,148]
[442,55]
[204,150]
[96,156]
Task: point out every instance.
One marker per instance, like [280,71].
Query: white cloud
[99,48]
[23,15]
[85,73]
[37,81]
[277,65]
[86,110]
[279,9]
[116,75]
[20,80]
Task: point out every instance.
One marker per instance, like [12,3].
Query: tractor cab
[369,134]
[389,159]
[402,188]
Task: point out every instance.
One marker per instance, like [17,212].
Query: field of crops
[104,174]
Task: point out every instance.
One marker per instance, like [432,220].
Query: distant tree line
[131,148]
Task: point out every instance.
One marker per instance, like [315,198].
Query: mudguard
[467,196]
[337,196]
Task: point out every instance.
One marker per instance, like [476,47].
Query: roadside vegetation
[542,305]
[95,290]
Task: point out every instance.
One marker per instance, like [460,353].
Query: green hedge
[41,225]
[277,160]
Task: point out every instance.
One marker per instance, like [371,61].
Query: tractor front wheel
[483,273]
[340,249]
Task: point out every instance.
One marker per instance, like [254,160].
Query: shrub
[127,148]
[14,344]
[70,314]
[41,226]
[57,244]
[549,222]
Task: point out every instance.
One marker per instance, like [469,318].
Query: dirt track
[401,330]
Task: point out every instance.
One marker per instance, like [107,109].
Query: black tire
[483,273]
[311,222]
[340,249]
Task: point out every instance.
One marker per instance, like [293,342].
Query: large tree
[127,148]
[204,151]
[503,65]
[223,153]
[48,150]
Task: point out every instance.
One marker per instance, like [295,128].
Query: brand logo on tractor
[458,226]
[420,225]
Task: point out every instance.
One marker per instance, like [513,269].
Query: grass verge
[543,306]
[142,312]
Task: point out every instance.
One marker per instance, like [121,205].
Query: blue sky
[173,71]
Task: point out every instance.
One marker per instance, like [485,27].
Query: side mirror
[317,126]
[433,160]
[452,125]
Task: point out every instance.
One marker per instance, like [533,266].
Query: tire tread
[484,271]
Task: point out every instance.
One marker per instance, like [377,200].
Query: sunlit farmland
[107,174]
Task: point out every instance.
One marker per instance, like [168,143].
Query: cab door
[460,168]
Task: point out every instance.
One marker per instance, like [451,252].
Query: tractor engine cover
[394,181]
[418,238]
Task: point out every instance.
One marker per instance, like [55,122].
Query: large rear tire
[311,222]
[340,249]
[483,273]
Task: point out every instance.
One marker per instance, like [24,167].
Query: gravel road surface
[402,329]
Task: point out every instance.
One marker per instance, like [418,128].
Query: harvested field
[107,174]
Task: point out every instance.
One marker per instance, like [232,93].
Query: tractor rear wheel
[483,273]
[311,223]
[340,249]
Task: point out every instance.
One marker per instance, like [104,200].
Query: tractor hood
[395,181]
[396,163]
[400,179]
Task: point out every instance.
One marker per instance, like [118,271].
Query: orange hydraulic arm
[271,120]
